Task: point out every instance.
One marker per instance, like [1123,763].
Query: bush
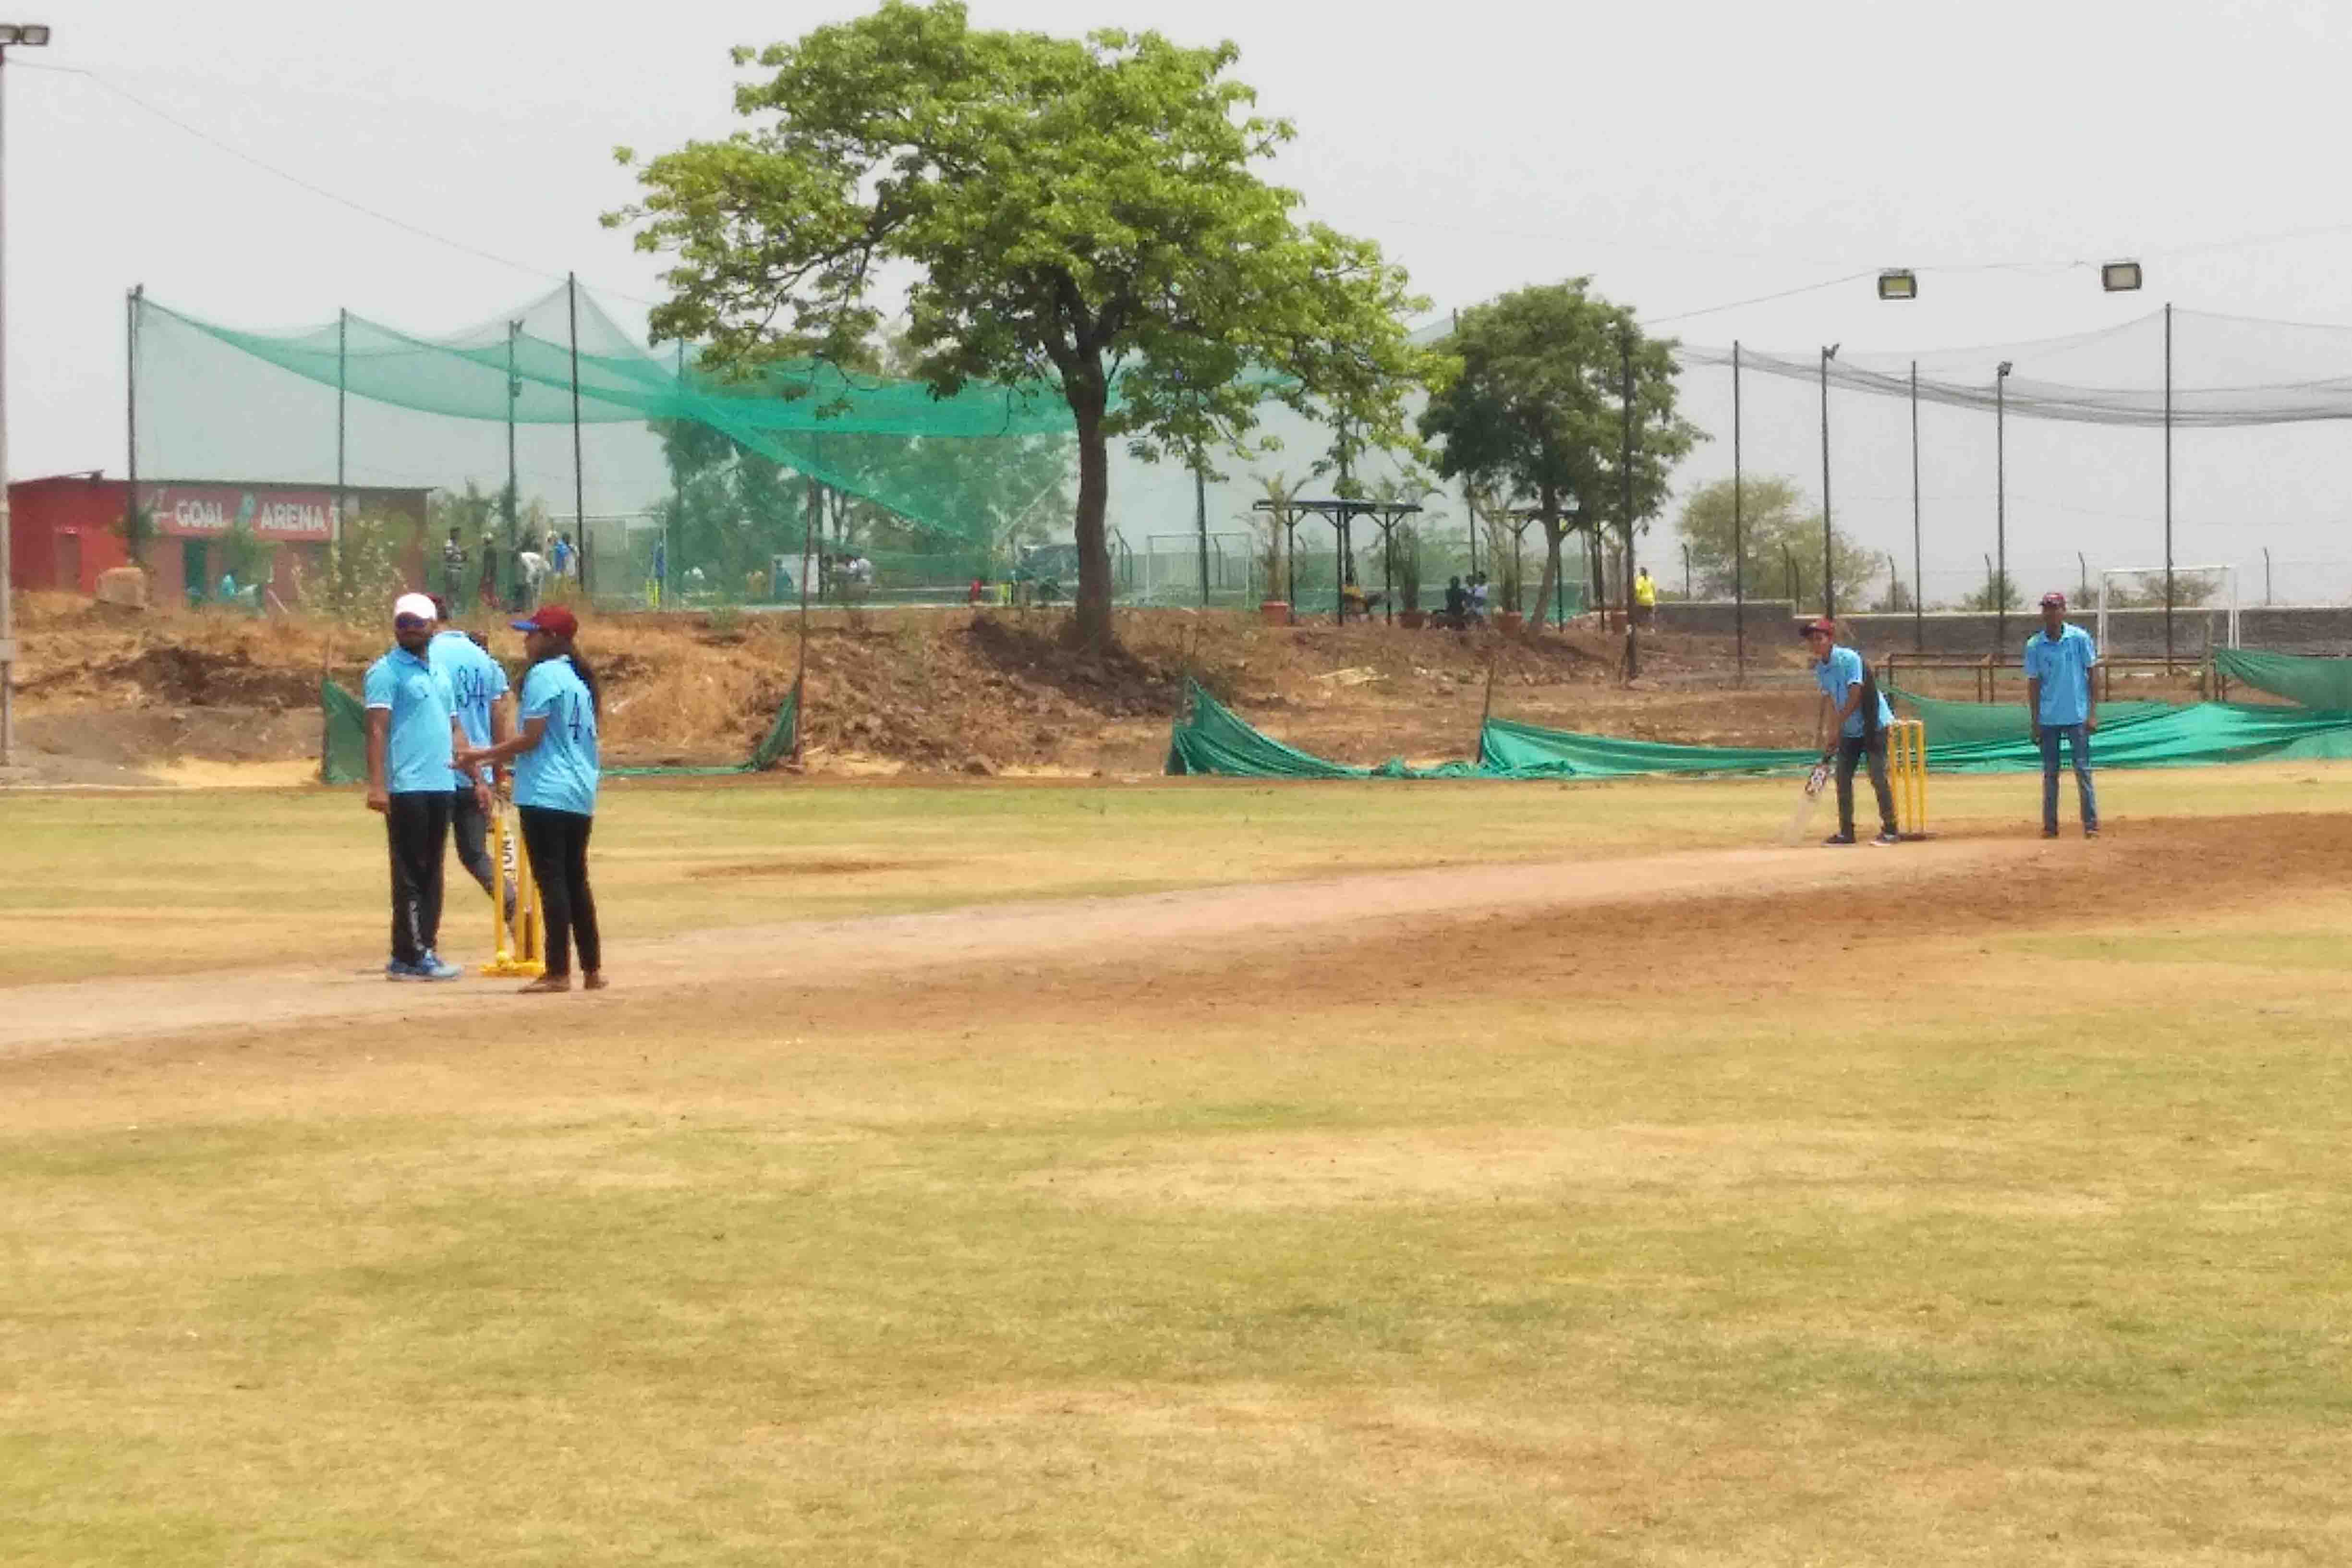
[364,572]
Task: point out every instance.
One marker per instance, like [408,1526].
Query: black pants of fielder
[417,824]
[558,844]
[1852,748]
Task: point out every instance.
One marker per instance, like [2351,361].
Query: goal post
[2227,573]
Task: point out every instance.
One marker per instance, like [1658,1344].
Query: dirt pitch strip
[834,956]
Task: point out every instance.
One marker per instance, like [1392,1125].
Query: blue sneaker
[432,966]
[396,970]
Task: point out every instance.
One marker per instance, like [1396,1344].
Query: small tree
[137,527]
[1777,530]
[2146,591]
[1999,593]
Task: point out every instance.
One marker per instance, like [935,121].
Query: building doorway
[196,556]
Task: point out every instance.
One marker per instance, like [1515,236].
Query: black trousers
[417,824]
[1852,748]
[558,843]
[470,825]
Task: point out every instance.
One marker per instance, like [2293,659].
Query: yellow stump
[520,950]
[1906,759]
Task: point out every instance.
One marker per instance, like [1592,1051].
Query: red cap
[1823,624]
[554,619]
[2054,597]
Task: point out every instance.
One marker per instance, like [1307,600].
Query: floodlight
[36,34]
[1899,283]
[2119,276]
[31,34]
[2003,368]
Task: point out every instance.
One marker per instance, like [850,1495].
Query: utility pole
[2000,506]
[2167,489]
[1829,533]
[1919,598]
[1738,537]
[33,36]
[1625,474]
[579,473]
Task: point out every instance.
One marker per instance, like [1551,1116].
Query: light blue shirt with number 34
[560,773]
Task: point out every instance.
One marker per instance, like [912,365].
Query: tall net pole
[1829,533]
[1626,491]
[2000,509]
[579,473]
[1738,537]
[514,482]
[1918,603]
[131,414]
[342,426]
[2167,489]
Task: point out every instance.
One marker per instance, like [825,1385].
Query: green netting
[1210,739]
[343,748]
[1951,724]
[2322,684]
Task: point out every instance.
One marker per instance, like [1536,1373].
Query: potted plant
[1272,524]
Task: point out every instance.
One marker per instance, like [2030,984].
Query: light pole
[2001,507]
[31,35]
[1829,576]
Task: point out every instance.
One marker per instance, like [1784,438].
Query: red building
[65,529]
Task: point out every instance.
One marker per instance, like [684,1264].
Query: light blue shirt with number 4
[560,773]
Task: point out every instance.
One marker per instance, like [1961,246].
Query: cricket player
[2063,703]
[412,738]
[1861,718]
[477,690]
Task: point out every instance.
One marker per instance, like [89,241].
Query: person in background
[555,756]
[1458,604]
[562,556]
[476,684]
[2063,703]
[1645,597]
[531,571]
[489,592]
[661,572]
[453,570]
[1478,596]
[412,736]
[1859,731]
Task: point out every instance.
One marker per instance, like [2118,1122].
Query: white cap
[418,604]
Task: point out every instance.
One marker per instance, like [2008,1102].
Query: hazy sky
[1685,155]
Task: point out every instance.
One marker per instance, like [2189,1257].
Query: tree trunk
[1545,590]
[1094,545]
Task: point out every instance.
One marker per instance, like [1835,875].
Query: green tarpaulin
[1210,739]
[2323,684]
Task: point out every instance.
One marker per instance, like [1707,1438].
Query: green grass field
[1975,1223]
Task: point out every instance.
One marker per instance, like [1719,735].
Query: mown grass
[1962,1251]
[179,880]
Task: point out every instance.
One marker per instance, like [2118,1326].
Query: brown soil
[1741,922]
[103,691]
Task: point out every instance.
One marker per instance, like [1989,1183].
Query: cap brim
[525,626]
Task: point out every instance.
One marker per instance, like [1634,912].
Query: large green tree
[1088,211]
[1782,544]
[1533,400]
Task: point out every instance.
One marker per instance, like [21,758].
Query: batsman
[1861,720]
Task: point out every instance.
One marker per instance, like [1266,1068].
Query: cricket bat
[1815,782]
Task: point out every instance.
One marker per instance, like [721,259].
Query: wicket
[1907,764]
[521,954]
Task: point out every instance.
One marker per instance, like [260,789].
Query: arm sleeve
[537,692]
[380,687]
[494,677]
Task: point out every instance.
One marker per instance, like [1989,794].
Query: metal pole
[131,398]
[2167,489]
[514,392]
[1626,486]
[1470,506]
[2000,507]
[1788,565]
[342,409]
[7,561]
[1201,515]
[2266,576]
[1387,573]
[579,475]
[1919,595]
[1829,533]
[1738,537]
[676,518]
[1686,573]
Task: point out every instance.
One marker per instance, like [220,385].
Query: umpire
[411,739]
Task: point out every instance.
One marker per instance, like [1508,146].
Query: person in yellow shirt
[1645,596]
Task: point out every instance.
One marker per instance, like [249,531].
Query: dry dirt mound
[928,689]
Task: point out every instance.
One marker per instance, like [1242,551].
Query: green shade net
[1953,724]
[1210,739]
[343,748]
[2322,684]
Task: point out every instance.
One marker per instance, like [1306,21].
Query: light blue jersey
[1835,676]
[418,749]
[2064,668]
[475,681]
[560,773]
